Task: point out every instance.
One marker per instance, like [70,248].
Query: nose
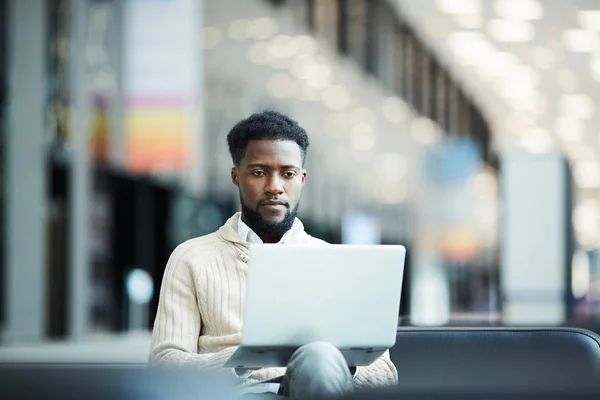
[274,185]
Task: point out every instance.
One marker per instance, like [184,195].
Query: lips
[273,203]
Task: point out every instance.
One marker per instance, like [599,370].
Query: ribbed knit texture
[199,317]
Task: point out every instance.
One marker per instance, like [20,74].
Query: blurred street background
[465,130]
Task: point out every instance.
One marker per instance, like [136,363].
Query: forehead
[273,152]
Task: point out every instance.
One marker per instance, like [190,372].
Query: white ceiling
[533,68]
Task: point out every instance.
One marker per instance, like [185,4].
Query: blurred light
[280,63]
[540,103]
[336,124]
[362,137]
[569,129]
[460,245]
[469,21]
[282,46]
[281,86]
[425,131]
[485,213]
[301,65]
[588,240]
[469,47]
[459,6]
[523,102]
[530,101]
[391,167]
[318,76]
[519,9]
[520,83]
[498,64]
[238,29]
[580,40]
[595,66]
[557,48]
[587,174]
[394,109]
[258,53]
[579,151]
[362,115]
[589,19]
[139,286]
[543,57]
[336,98]
[576,106]
[537,140]
[586,221]
[303,92]
[580,274]
[585,215]
[430,292]
[567,80]
[211,37]
[306,45]
[516,122]
[262,28]
[504,30]
[436,26]
[392,194]
[484,184]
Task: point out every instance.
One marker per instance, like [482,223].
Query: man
[199,318]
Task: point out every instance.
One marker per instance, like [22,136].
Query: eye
[258,173]
[289,174]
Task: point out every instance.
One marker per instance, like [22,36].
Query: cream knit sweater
[199,317]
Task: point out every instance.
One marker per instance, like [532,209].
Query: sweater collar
[229,232]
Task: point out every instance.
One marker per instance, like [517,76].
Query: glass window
[326,20]
[356,32]
[399,66]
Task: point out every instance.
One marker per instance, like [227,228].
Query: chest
[221,296]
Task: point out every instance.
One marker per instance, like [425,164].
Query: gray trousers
[317,370]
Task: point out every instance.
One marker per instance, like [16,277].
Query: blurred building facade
[119,110]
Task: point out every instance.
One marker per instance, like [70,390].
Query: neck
[266,237]
[270,239]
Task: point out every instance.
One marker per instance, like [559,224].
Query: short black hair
[266,125]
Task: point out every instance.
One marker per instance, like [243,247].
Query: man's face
[270,178]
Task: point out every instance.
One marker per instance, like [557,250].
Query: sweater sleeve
[178,323]
[381,373]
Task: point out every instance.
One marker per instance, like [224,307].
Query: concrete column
[80,176]
[536,238]
[25,166]
[117,53]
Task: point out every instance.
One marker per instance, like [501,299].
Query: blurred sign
[360,228]
[453,162]
[162,80]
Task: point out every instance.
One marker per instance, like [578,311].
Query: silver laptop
[346,295]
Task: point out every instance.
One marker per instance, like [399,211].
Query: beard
[264,228]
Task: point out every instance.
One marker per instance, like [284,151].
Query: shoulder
[197,249]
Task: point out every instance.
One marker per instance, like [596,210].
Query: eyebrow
[265,166]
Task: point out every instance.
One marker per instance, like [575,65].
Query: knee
[317,370]
[320,351]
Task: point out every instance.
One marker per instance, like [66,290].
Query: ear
[235,177]
[303,176]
